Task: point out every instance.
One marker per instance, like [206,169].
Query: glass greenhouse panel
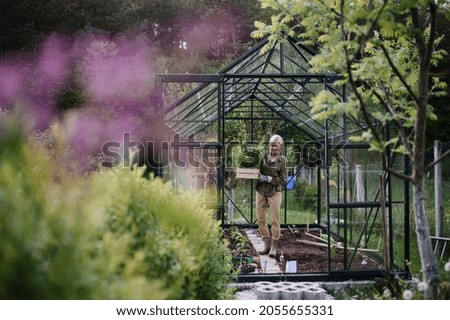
[292,62]
[398,235]
[194,112]
[301,196]
[353,176]
[359,230]
[239,208]
[171,92]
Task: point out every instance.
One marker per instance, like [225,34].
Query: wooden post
[438,204]
[385,228]
[231,206]
[359,186]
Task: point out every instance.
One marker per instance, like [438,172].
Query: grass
[415,258]
[291,211]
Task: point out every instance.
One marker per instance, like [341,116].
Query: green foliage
[241,242]
[178,239]
[306,195]
[250,157]
[50,246]
[214,30]
[112,235]
[404,289]
[385,53]
[374,47]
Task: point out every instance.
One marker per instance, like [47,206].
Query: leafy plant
[180,240]
[241,242]
[50,239]
[404,289]
[111,235]
[306,195]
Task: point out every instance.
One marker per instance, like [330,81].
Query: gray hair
[277,138]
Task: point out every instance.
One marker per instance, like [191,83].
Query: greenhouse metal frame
[272,82]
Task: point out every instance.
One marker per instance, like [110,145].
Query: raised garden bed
[306,248]
[311,256]
[245,257]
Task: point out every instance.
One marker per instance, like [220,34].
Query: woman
[272,178]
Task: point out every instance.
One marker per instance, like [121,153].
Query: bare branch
[411,135]
[394,172]
[440,159]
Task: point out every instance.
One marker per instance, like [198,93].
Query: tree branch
[366,37]
[441,158]
[397,72]
[430,45]
[362,104]
[395,120]
[394,172]
[282,8]
[331,9]
[352,82]
[386,166]
[388,107]
[416,24]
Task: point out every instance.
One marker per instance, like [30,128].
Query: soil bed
[245,256]
[309,257]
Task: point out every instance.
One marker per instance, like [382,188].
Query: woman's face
[275,147]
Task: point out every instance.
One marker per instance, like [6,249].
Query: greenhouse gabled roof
[277,77]
[281,58]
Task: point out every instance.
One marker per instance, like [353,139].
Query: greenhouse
[334,185]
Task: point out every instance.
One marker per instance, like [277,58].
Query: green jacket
[277,170]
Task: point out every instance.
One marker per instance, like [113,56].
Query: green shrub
[305,195]
[112,235]
[250,157]
[246,156]
[180,240]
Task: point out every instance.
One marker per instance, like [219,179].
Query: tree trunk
[429,263]
[430,266]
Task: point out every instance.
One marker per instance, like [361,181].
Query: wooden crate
[247,173]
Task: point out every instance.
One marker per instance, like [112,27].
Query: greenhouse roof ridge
[277,78]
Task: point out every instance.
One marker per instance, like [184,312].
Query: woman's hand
[264,178]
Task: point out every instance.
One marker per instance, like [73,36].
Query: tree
[222,25]
[26,23]
[385,51]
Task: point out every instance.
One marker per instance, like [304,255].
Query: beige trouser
[274,204]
